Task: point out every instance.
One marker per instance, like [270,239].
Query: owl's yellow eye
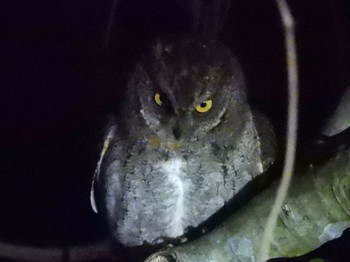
[204,106]
[157,99]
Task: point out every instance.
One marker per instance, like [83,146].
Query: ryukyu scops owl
[183,142]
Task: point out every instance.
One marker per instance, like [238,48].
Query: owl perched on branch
[182,144]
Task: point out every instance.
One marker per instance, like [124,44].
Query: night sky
[59,78]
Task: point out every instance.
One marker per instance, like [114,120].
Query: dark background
[59,76]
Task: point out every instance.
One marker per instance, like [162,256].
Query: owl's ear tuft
[158,48]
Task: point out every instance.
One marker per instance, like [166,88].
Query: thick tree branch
[316,210]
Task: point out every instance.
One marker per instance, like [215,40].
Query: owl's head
[187,87]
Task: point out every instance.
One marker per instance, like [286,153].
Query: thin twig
[288,24]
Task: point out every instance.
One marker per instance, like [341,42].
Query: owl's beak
[182,126]
[176,132]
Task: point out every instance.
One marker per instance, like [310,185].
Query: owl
[183,142]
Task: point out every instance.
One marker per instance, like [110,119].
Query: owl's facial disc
[182,122]
[185,88]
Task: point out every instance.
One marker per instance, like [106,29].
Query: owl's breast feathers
[164,187]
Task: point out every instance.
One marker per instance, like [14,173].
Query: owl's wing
[266,138]
[111,133]
[208,16]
